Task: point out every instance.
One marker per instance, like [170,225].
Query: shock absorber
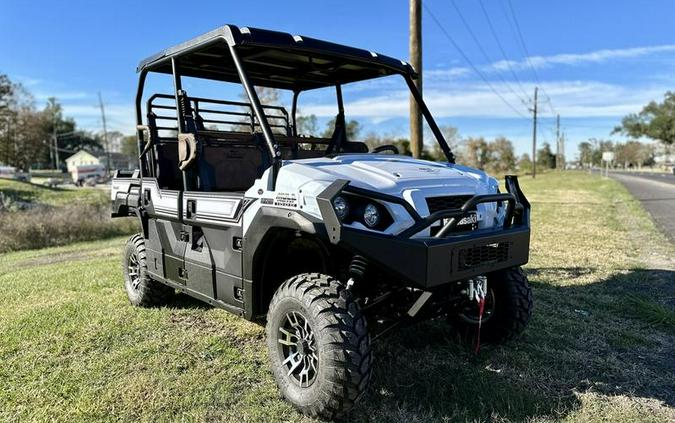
[358,268]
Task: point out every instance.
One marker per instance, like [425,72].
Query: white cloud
[60,96]
[572,99]
[540,62]
[598,56]
[119,117]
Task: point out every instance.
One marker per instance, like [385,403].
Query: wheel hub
[298,348]
[134,271]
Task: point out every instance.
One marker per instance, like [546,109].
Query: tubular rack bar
[280,120]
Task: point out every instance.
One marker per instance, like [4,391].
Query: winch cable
[481,308]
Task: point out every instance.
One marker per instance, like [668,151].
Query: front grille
[475,257]
[447,202]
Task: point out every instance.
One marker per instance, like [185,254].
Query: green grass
[599,347]
[36,193]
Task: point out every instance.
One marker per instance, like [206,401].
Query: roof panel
[274,59]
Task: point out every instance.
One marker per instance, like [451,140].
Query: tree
[268,97]
[435,153]
[22,137]
[353,129]
[476,152]
[546,158]
[585,153]
[525,163]
[307,125]
[502,156]
[655,121]
[373,141]
[129,147]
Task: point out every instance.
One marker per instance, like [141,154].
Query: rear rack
[216,112]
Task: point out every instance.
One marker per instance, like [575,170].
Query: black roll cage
[258,109]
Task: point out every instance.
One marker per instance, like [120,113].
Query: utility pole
[105,134]
[563,137]
[56,144]
[416,134]
[558,153]
[534,135]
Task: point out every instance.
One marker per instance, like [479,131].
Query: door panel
[166,241]
[212,262]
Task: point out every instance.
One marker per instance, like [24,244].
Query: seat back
[231,163]
[167,172]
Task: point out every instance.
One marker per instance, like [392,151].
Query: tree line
[627,154]
[27,132]
[656,121]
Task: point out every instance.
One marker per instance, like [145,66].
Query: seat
[167,172]
[231,163]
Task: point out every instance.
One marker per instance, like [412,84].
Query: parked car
[82,174]
[53,182]
[10,172]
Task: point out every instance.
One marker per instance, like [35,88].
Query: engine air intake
[446,202]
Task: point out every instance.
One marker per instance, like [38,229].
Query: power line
[482,50]
[501,48]
[527,55]
[466,58]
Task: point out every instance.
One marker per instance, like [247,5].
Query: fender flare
[265,220]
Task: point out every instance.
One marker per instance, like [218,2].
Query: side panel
[166,241]
[213,256]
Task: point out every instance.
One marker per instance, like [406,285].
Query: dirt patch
[48,259]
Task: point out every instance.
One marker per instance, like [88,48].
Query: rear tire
[141,289]
[318,345]
[513,304]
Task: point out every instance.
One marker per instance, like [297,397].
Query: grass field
[37,193]
[600,346]
[34,216]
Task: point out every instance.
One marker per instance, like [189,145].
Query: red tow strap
[481,307]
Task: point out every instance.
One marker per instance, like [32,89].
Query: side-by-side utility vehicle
[328,242]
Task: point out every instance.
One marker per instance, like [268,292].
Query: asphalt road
[656,192]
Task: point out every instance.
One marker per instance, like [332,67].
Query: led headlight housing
[371,215]
[341,207]
[351,209]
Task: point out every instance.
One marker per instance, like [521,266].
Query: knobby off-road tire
[141,289]
[317,318]
[511,312]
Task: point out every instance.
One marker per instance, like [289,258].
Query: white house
[88,158]
[82,158]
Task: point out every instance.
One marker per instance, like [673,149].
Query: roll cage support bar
[270,142]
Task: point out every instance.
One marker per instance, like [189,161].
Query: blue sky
[595,60]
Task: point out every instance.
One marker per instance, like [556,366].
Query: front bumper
[429,262]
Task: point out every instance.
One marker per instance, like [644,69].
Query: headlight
[341,207]
[371,215]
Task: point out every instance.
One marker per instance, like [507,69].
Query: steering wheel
[388,147]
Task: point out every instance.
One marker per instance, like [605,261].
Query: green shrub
[46,226]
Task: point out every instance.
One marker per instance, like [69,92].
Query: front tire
[509,305]
[318,345]
[141,289]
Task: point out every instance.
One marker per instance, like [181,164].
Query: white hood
[390,174]
[300,181]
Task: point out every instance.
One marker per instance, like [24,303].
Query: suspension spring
[358,267]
